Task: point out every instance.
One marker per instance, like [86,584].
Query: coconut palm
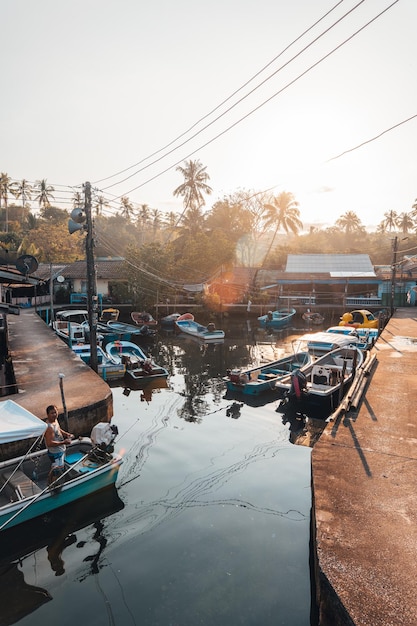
[22,190]
[194,185]
[390,220]
[282,212]
[349,222]
[100,203]
[78,200]
[405,222]
[5,189]
[126,208]
[44,196]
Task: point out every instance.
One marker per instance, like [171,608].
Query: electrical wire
[292,82]
[225,100]
[241,100]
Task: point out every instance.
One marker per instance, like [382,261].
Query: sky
[93,88]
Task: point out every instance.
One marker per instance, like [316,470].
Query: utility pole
[393,272]
[91,280]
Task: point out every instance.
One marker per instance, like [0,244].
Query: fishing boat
[30,487]
[70,326]
[128,331]
[138,364]
[320,343]
[206,334]
[312,317]
[257,380]
[169,320]
[108,315]
[143,317]
[317,389]
[366,336]
[276,319]
[107,368]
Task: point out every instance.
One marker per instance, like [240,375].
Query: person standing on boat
[56,439]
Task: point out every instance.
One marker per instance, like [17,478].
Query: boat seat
[23,486]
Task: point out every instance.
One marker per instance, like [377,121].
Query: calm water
[210,519]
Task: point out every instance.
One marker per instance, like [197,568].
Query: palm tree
[405,223]
[23,190]
[45,193]
[5,189]
[126,208]
[390,221]
[349,222]
[100,203]
[78,200]
[283,213]
[194,185]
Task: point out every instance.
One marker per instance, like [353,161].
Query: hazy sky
[93,87]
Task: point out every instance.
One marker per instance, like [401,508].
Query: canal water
[209,522]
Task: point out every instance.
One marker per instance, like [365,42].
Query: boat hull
[276,319]
[203,333]
[259,380]
[84,478]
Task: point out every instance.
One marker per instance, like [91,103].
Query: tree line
[163,251]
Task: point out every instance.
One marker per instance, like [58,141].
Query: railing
[362,301]
[304,300]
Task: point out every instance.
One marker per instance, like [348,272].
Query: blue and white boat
[138,364]
[366,336]
[276,319]
[257,380]
[206,334]
[317,389]
[28,487]
[107,368]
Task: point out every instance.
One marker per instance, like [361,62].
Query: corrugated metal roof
[337,264]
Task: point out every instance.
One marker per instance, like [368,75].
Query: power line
[240,101]
[311,67]
[225,100]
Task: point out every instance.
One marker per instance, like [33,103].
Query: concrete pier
[364,470]
[38,356]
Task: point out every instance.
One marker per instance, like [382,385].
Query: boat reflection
[55,532]
[146,387]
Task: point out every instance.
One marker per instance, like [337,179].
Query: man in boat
[56,439]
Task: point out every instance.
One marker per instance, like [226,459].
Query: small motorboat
[257,380]
[312,317]
[169,320]
[141,318]
[138,364]
[70,326]
[366,336]
[317,389]
[127,331]
[276,319]
[107,368]
[206,334]
[108,315]
[30,487]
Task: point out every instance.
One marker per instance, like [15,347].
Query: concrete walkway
[38,356]
[365,494]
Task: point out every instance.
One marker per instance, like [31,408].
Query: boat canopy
[17,423]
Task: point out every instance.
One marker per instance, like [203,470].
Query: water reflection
[54,534]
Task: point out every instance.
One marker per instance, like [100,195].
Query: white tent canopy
[17,423]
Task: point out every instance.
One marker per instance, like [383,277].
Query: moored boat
[276,319]
[207,334]
[317,389]
[143,317]
[138,364]
[28,486]
[312,317]
[107,368]
[360,318]
[70,326]
[320,343]
[257,380]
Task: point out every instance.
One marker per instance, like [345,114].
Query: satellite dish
[60,279]
[27,264]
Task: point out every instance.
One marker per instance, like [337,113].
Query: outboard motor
[103,436]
